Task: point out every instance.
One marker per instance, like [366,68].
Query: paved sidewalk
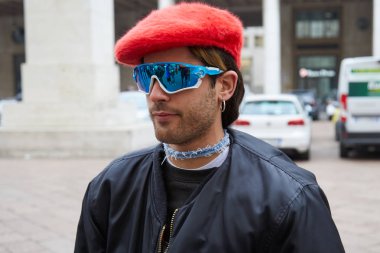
[40,202]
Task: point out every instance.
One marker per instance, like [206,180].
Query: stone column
[376,28]
[70,78]
[272,41]
[70,85]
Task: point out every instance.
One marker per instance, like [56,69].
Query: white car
[279,120]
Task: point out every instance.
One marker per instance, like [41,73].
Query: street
[352,187]
[41,199]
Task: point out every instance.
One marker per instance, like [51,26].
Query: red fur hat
[184,24]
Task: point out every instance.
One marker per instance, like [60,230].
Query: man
[205,188]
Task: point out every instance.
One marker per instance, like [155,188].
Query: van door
[363,106]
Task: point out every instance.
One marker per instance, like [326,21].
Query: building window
[259,41]
[246,67]
[246,42]
[317,73]
[317,62]
[316,24]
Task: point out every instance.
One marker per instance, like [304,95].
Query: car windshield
[269,108]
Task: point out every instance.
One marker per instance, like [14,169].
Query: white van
[359,93]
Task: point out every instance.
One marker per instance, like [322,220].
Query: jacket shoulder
[271,157]
[135,162]
[299,208]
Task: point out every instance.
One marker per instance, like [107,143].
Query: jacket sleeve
[90,236]
[306,225]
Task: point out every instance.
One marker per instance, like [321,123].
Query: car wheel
[305,155]
[343,151]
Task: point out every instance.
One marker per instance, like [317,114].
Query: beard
[191,122]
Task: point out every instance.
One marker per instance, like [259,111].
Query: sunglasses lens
[172,76]
[142,79]
[178,77]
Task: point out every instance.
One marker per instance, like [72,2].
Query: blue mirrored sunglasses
[172,76]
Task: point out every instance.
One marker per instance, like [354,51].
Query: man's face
[188,117]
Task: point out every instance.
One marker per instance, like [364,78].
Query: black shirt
[180,184]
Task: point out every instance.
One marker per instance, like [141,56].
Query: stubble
[193,122]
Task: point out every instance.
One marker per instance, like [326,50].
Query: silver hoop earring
[223,106]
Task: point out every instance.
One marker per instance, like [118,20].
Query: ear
[226,85]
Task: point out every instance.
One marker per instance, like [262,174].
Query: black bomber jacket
[257,201]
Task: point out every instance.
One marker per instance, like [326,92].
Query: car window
[270,108]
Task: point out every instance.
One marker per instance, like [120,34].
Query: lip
[163,115]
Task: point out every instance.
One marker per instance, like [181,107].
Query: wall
[356,41]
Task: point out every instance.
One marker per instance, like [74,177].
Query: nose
[157,93]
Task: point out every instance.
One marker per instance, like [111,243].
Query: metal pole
[165,3]
[272,41]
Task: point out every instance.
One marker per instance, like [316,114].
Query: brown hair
[215,57]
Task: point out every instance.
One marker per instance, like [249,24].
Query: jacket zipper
[159,250]
[171,228]
[170,233]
